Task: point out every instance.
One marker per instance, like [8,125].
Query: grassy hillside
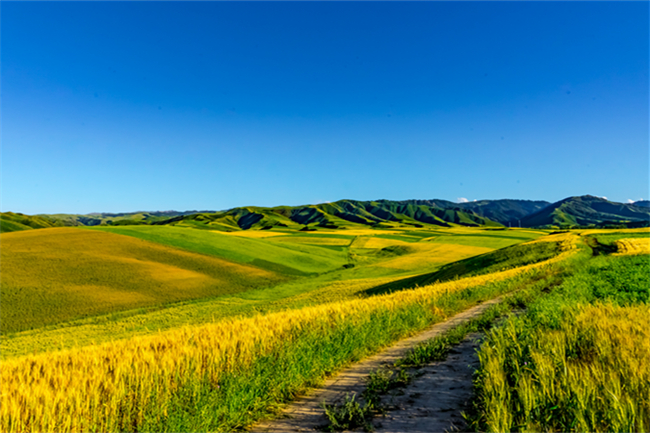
[59,274]
[12,222]
[577,360]
[337,215]
[354,214]
[290,259]
[379,257]
[126,218]
[502,259]
[587,210]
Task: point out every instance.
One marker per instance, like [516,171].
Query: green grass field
[293,306]
[290,259]
[301,269]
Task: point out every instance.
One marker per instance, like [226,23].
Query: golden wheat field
[594,367]
[633,246]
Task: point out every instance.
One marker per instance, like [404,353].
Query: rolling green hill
[64,273]
[289,259]
[13,222]
[128,218]
[587,210]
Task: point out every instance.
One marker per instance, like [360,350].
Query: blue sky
[124,106]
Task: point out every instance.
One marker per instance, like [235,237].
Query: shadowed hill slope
[506,212]
[642,203]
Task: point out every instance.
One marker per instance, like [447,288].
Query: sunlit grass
[223,376]
[590,374]
[338,285]
[633,246]
[578,360]
[59,274]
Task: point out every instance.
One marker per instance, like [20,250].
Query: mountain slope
[505,211]
[343,213]
[586,210]
[641,203]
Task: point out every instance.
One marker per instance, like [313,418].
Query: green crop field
[249,318]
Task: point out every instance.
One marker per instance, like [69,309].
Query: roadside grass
[354,413]
[578,360]
[226,376]
[54,275]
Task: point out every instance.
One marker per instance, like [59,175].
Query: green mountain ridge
[588,210]
[340,214]
[571,212]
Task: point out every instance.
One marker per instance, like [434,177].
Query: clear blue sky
[120,106]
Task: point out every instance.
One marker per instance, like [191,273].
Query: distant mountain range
[579,211]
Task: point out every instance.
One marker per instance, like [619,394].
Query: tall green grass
[578,360]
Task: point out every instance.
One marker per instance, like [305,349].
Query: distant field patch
[59,274]
[258,234]
[312,240]
[427,255]
[485,239]
[378,243]
[362,232]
